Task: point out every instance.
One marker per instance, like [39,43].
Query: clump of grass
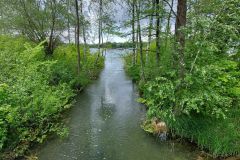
[220,137]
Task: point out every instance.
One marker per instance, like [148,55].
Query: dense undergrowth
[35,90]
[204,106]
[204,110]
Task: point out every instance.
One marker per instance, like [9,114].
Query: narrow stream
[105,124]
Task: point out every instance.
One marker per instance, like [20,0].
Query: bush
[204,106]
[65,69]
[34,91]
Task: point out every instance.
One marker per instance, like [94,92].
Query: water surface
[105,124]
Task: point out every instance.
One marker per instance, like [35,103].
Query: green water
[105,124]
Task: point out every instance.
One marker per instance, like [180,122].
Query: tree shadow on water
[106,110]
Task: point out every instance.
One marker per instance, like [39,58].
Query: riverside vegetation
[196,91]
[34,91]
[188,77]
[41,70]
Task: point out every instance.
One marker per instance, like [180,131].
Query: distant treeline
[113,45]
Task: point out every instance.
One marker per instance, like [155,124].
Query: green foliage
[209,91]
[34,91]
[204,106]
[65,69]
[205,103]
[218,136]
[34,19]
[132,71]
[28,103]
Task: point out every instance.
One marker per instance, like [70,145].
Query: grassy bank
[35,90]
[203,108]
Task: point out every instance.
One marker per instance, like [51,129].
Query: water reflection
[106,110]
[105,124]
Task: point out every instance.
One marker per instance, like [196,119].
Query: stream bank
[105,123]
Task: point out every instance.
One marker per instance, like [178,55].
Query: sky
[119,13]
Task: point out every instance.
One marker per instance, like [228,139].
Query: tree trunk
[102,40]
[168,27]
[140,40]
[77,36]
[180,38]
[133,33]
[157,32]
[84,34]
[137,43]
[50,48]
[150,30]
[68,22]
[33,28]
[99,30]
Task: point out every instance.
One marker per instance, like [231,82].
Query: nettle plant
[211,83]
[29,104]
[159,96]
[210,91]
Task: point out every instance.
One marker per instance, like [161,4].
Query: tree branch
[171,7]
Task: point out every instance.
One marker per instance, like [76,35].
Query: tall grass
[218,136]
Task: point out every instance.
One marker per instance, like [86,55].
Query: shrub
[34,91]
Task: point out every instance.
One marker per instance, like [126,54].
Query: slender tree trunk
[77,36]
[99,33]
[100,26]
[99,30]
[133,32]
[137,43]
[140,40]
[150,30]
[168,27]
[180,38]
[51,43]
[102,41]
[84,33]
[168,33]
[99,37]
[85,44]
[33,34]
[157,32]
[68,22]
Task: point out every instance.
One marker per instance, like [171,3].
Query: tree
[152,4]
[158,30]
[50,48]
[77,36]
[181,19]
[100,26]
[68,20]
[83,31]
[138,10]
[168,27]
[35,19]
[133,30]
